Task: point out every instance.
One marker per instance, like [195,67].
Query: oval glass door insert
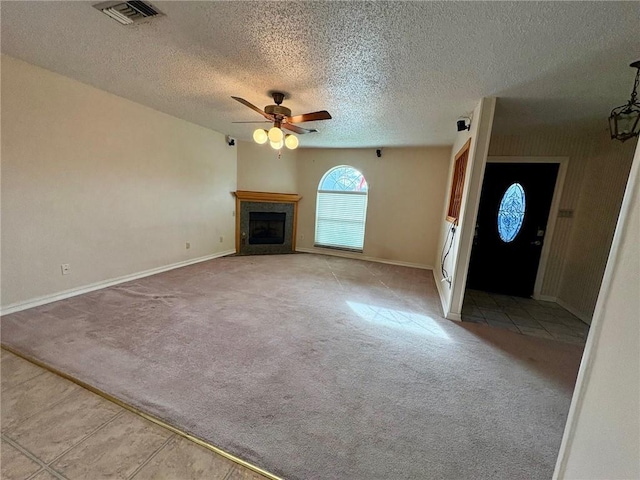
[511,212]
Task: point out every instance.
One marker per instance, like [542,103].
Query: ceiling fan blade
[258,121]
[310,117]
[296,129]
[254,108]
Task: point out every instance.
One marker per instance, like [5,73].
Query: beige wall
[594,184]
[260,169]
[104,184]
[601,193]
[602,436]
[407,187]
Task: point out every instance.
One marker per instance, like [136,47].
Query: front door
[510,230]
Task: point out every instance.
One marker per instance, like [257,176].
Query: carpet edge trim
[141,413]
[45,299]
[338,253]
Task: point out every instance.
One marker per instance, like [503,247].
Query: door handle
[537,242]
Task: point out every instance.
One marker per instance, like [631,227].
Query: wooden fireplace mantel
[248,196]
[267,196]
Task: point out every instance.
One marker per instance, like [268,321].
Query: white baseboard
[439,287]
[454,316]
[357,256]
[36,302]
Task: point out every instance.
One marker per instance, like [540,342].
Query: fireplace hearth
[265,222]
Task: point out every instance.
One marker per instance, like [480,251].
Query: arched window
[341,209]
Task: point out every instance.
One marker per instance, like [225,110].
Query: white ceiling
[390,73]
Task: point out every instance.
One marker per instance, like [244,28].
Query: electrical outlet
[302,236]
[188,245]
[65,267]
[233,214]
[221,239]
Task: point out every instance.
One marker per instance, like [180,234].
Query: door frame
[563,163]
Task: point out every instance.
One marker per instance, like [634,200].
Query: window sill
[343,249]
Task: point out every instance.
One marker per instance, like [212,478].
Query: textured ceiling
[390,73]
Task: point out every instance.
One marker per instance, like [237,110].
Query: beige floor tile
[526,322]
[543,315]
[557,328]
[473,319]
[185,460]
[486,303]
[562,313]
[517,311]
[49,433]
[44,475]
[550,305]
[14,464]
[575,324]
[472,311]
[114,451]
[536,332]
[526,301]
[569,339]
[504,325]
[16,370]
[242,473]
[504,300]
[494,315]
[33,396]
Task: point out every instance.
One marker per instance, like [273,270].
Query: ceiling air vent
[128,13]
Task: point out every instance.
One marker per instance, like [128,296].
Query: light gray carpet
[316,367]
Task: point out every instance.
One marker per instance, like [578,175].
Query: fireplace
[266,228]
[265,222]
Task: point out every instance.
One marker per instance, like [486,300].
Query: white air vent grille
[127,13]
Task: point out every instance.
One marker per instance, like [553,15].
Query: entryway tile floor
[524,315]
[55,429]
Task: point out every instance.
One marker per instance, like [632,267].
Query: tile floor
[524,315]
[55,429]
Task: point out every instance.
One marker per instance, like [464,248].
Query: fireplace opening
[266,228]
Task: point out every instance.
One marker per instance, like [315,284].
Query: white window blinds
[340,219]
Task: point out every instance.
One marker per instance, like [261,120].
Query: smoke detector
[128,13]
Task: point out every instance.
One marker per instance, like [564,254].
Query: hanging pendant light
[624,121]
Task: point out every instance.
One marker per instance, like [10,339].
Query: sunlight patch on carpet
[408,321]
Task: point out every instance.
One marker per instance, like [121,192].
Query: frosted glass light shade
[260,136]
[277,145]
[275,134]
[291,141]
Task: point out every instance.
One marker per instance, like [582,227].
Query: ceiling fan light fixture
[277,145]
[291,141]
[276,135]
[260,136]
[281,117]
[624,121]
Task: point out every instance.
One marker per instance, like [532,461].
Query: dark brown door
[510,230]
